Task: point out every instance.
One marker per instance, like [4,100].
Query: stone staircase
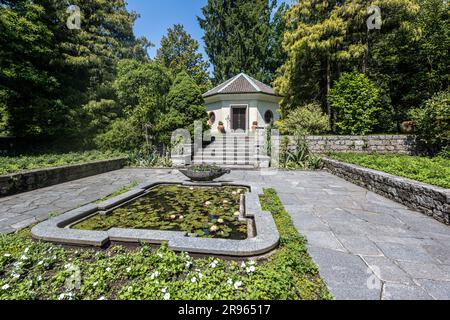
[230,150]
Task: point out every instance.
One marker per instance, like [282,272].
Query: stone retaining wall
[35,179]
[431,200]
[400,144]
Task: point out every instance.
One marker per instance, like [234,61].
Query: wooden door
[239,119]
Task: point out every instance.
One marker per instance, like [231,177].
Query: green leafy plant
[307,120]
[32,270]
[432,123]
[356,102]
[435,171]
[38,161]
[120,191]
[205,168]
[205,212]
[298,157]
[149,159]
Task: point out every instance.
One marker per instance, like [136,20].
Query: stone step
[233,166]
[228,159]
[223,163]
[225,153]
[228,149]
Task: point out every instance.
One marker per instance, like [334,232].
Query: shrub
[306,120]
[124,135]
[432,123]
[298,157]
[356,102]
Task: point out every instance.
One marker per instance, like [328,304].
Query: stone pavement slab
[22,210]
[356,236]
[366,246]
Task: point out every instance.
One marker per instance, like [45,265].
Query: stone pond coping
[35,179]
[431,200]
[266,239]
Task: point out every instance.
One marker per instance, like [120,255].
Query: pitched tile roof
[241,83]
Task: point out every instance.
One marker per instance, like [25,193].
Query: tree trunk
[330,115]
[366,55]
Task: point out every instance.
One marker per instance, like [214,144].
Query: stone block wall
[400,144]
[35,179]
[431,200]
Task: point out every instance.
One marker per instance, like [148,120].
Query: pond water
[209,212]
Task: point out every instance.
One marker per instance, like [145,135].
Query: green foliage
[407,59]
[149,159]
[38,270]
[432,123]
[56,80]
[356,103]
[435,171]
[185,105]
[240,36]
[307,120]
[153,106]
[31,162]
[141,89]
[179,52]
[296,155]
[123,134]
[120,191]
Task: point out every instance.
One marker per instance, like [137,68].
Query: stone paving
[24,209]
[366,246]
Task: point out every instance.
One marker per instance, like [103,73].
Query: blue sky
[158,15]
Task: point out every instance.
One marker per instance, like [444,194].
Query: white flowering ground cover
[39,270]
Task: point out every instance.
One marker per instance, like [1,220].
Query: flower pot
[205,174]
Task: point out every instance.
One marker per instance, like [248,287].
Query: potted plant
[204,172]
[221,127]
[254,126]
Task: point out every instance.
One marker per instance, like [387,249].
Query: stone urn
[221,127]
[204,173]
[408,127]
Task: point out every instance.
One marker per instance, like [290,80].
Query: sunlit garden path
[366,246]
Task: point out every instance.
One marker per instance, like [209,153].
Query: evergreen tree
[179,52]
[185,105]
[326,38]
[55,81]
[237,37]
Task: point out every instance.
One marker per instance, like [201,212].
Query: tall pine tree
[179,52]
[237,37]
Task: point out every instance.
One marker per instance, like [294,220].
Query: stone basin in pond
[223,219]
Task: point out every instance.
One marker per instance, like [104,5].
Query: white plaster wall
[263,106]
[255,112]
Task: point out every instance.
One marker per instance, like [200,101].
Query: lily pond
[208,212]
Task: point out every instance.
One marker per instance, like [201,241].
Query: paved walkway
[366,246]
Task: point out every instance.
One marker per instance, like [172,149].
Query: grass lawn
[38,270]
[31,162]
[435,171]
